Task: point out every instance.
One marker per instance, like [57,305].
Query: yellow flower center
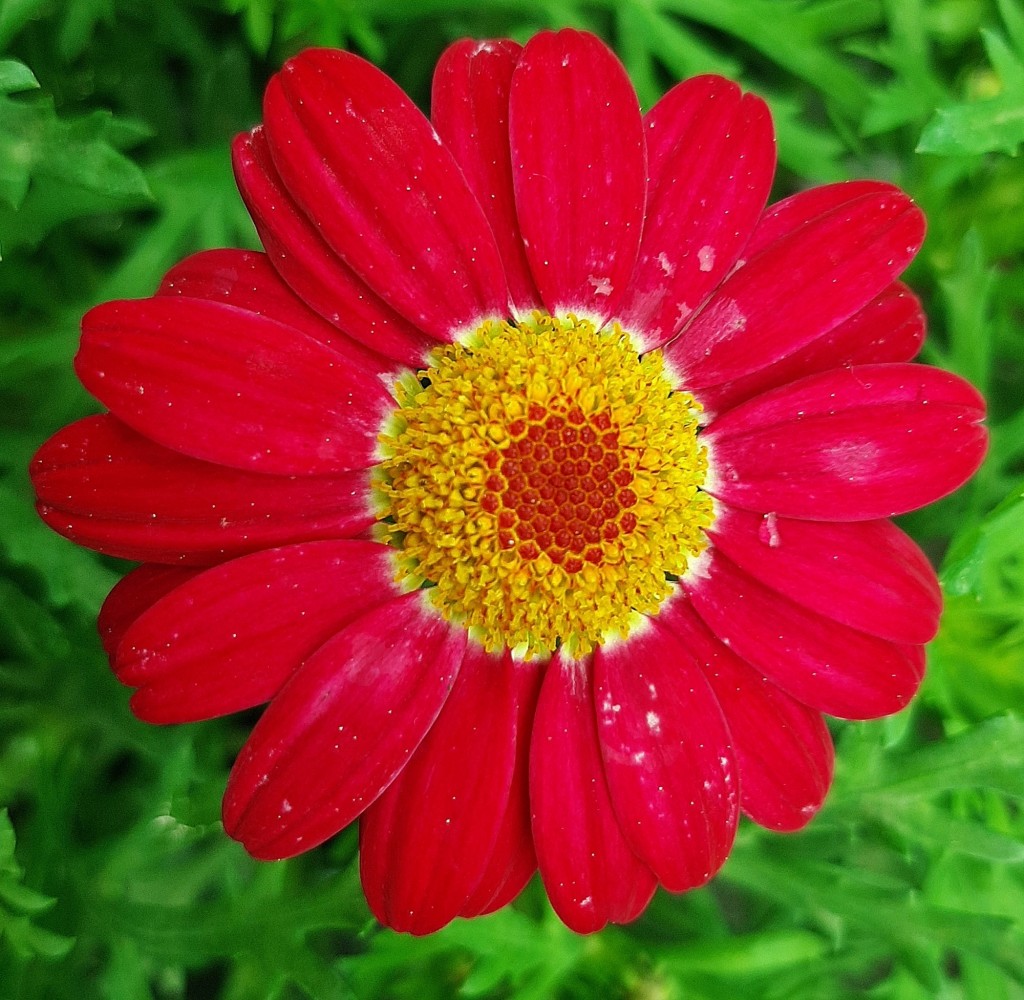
[544,481]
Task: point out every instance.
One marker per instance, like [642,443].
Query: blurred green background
[116,880]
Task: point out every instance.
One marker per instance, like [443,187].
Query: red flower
[537,475]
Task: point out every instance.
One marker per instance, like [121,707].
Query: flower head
[537,475]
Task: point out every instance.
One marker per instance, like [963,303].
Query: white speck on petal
[666,265]
[769,530]
[706,258]
[601,286]
[733,320]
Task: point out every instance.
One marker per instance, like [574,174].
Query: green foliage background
[116,880]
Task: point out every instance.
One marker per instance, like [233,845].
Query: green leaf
[126,976]
[978,654]
[71,575]
[75,161]
[258,19]
[679,48]
[968,293]
[18,904]
[747,956]
[992,125]
[809,150]
[14,15]
[505,949]
[80,20]
[847,900]
[989,755]
[1013,16]
[16,77]
[915,90]
[926,824]
[27,627]
[198,207]
[985,562]
[20,897]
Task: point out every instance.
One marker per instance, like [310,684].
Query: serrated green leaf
[976,563]
[995,126]
[984,126]
[915,90]
[67,166]
[978,654]
[858,901]
[198,207]
[18,904]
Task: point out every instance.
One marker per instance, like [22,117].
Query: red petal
[888,329]
[513,860]
[851,444]
[865,574]
[317,274]
[579,170]
[246,279]
[469,108]
[132,595]
[366,167]
[712,159]
[341,730]
[667,757]
[228,386]
[828,666]
[509,871]
[790,214]
[230,637]
[419,875]
[589,871]
[106,487]
[800,286]
[783,748]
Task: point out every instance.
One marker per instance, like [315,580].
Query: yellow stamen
[544,481]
